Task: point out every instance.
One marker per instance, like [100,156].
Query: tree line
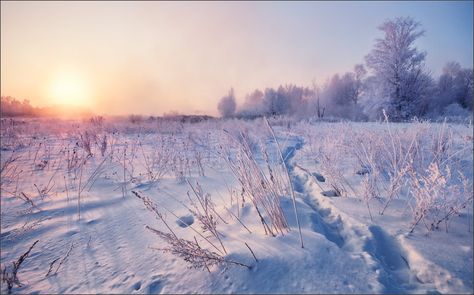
[394,79]
[11,107]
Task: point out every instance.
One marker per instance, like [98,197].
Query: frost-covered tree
[296,98]
[342,93]
[358,84]
[453,92]
[339,90]
[276,102]
[227,105]
[455,85]
[286,100]
[370,100]
[253,105]
[399,68]
[11,107]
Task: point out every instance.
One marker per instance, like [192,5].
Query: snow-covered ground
[382,207]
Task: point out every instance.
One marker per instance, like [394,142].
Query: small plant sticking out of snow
[86,138]
[436,197]
[205,212]
[10,277]
[190,251]
[256,185]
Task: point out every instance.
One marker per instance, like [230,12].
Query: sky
[156,57]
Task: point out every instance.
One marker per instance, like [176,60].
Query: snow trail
[379,250]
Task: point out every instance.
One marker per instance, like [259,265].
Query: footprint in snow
[319,177]
[137,286]
[155,287]
[185,221]
[92,222]
[330,193]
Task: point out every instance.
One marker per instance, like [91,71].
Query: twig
[207,267]
[64,258]
[251,252]
[207,219]
[79,194]
[67,192]
[12,278]
[30,201]
[238,219]
[51,266]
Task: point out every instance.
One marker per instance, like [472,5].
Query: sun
[69,89]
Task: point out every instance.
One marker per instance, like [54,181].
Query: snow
[108,249]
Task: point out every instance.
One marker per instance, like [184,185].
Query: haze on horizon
[157,57]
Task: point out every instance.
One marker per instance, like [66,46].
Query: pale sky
[155,57]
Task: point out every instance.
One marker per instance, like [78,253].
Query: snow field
[338,172]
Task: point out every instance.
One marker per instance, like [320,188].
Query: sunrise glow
[155,57]
[69,89]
